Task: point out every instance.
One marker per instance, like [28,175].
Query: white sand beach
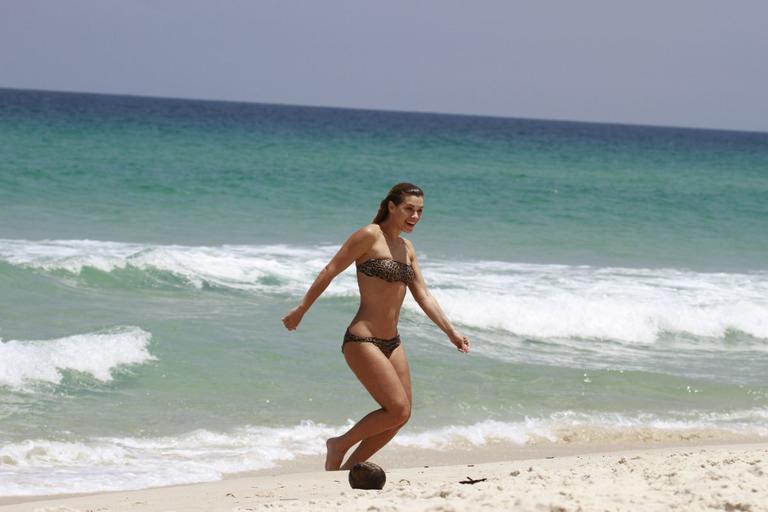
[722,477]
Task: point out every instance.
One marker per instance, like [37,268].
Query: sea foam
[629,305]
[40,466]
[531,300]
[26,362]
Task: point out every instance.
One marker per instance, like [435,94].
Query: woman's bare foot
[334,454]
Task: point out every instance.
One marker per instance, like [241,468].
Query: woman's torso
[383,274]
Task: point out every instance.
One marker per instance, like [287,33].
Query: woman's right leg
[371,445]
[379,377]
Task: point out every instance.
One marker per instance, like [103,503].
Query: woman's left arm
[430,306]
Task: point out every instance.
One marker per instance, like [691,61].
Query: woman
[386,264]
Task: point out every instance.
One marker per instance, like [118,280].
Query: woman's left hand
[292,319]
[461,341]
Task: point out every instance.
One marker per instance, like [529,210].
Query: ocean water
[613,279]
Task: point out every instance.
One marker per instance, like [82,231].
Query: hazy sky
[699,63]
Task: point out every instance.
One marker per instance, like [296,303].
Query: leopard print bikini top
[387,269]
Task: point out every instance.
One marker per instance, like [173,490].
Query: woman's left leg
[371,445]
[379,377]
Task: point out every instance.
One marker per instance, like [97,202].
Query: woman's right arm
[357,245]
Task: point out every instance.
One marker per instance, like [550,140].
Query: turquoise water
[613,279]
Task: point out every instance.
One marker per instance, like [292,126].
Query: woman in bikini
[386,265]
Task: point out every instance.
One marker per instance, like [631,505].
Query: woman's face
[407,214]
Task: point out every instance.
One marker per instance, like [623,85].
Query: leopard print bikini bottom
[386,346]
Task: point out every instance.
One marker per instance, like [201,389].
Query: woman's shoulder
[371,230]
[367,234]
[361,241]
[375,228]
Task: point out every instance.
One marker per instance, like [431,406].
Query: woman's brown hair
[396,195]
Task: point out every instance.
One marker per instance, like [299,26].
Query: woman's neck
[391,232]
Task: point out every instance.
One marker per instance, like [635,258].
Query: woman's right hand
[292,319]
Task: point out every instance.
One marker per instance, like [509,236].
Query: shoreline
[293,487]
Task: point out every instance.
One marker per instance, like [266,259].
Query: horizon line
[397,111]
